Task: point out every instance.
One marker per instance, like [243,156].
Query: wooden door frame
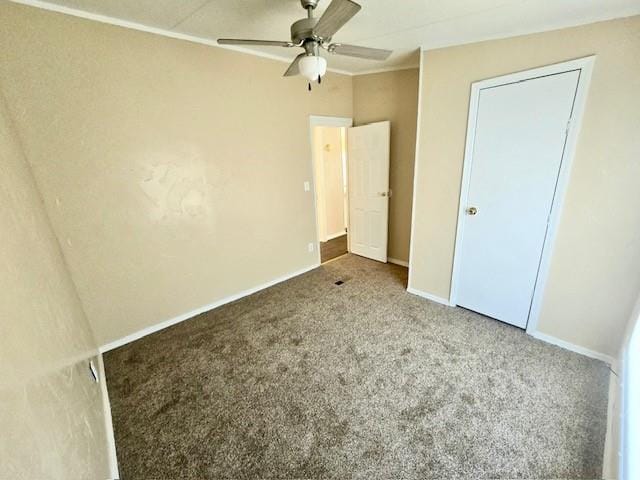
[322,121]
[585,65]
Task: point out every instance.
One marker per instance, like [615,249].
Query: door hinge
[566,132]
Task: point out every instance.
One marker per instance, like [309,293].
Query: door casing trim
[322,121]
[585,65]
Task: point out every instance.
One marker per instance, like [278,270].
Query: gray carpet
[309,379]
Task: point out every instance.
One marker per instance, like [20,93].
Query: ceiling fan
[312,34]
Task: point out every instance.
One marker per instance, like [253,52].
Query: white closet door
[368,155]
[518,148]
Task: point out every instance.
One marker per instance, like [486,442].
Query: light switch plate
[307,186]
[310,247]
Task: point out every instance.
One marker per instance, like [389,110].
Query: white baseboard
[536,334]
[395,261]
[108,421]
[185,316]
[429,296]
[574,348]
[612,458]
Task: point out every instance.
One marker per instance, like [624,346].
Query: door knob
[383,194]
[472,211]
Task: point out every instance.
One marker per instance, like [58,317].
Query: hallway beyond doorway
[333,248]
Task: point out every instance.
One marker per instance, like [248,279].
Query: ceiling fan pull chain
[319,79]
[309,86]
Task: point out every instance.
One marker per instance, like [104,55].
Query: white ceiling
[400,25]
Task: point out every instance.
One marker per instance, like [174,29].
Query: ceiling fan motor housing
[309,3]
[303,30]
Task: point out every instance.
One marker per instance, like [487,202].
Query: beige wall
[51,415]
[329,181]
[393,96]
[594,277]
[172,172]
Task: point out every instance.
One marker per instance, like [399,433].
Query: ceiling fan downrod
[309,6]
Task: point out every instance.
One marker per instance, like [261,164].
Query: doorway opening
[351,184]
[329,147]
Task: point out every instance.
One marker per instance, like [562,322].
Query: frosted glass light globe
[312,67]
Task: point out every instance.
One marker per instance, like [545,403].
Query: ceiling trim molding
[96,17]
[46,5]
[525,32]
[387,69]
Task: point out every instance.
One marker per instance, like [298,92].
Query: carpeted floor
[309,379]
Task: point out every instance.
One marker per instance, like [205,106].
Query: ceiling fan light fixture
[312,67]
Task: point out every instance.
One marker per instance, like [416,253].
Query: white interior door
[520,136]
[368,157]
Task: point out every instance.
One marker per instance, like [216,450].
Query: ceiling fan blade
[293,68]
[360,52]
[268,43]
[334,17]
